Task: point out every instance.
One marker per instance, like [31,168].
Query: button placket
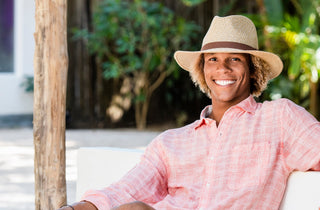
[213,135]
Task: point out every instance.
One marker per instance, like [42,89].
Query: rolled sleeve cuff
[96,199]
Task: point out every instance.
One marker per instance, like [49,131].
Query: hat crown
[234,29]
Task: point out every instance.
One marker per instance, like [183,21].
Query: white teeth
[224,82]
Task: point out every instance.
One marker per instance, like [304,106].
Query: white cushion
[302,192]
[98,167]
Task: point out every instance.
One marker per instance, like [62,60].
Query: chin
[226,99]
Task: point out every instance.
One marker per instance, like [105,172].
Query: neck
[218,112]
[219,108]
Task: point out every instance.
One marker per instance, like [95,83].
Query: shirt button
[208,185]
[211,158]
[220,134]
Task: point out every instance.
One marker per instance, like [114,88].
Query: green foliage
[191,3]
[226,9]
[137,36]
[302,46]
[274,11]
[295,37]
[135,41]
[28,84]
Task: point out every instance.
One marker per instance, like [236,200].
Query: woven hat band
[235,45]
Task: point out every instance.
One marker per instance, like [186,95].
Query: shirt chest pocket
[248,165]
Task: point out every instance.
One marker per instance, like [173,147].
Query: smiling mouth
[224,82]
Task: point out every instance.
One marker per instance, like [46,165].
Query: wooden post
[50,80]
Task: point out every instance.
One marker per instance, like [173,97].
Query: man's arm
[136,205]
[82,205]
[301,138]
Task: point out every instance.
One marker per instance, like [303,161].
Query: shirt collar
[248,105]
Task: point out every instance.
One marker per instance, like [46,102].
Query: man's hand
[83,205]
[136,205]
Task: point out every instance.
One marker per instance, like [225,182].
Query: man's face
[227,76]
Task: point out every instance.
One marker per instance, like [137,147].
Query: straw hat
[231,34]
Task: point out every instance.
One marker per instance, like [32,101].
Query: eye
[212,59]
[235,59]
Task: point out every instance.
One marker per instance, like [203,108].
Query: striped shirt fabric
[244,163]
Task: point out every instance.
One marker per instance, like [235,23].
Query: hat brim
[188,59]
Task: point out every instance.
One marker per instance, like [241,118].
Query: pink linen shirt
[243,163]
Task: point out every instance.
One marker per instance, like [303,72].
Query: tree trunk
[314,100]
[141,112]
[50,80]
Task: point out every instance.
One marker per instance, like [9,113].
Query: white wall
[13,99]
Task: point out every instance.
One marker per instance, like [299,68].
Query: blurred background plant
[291,29]
[134,44]
[27,83]
[191,3]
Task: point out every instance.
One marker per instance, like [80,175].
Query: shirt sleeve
[146,182]
[301,138]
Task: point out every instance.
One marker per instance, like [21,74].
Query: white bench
[98,167]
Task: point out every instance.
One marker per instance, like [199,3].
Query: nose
[223,66]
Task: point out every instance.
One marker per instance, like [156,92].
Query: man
[239,154]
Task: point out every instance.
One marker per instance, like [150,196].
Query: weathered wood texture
[50,77]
